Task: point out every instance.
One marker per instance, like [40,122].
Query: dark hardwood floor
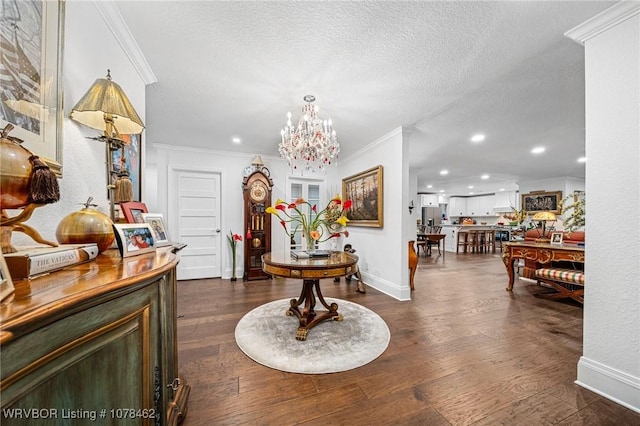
[463,351]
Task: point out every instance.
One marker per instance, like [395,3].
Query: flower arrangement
[316,226]
[233,241]
[517,215]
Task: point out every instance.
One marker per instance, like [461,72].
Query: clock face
[258,192]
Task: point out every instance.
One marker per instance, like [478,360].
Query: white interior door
[198,223]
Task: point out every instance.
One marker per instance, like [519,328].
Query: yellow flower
[343,221]
[321,226]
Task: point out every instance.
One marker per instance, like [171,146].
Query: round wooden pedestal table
[337,264]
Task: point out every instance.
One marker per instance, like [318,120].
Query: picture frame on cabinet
[160,233]
[134,238]
[556,238]
[365,190]
[34,103]
[133,210]
[542,201]
[6,284]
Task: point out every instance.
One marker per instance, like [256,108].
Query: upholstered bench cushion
[570,276]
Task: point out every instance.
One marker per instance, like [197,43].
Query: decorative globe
[15,173]
[86,226]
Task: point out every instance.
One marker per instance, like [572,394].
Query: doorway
[196,212]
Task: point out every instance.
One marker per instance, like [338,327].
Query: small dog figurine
[360,286]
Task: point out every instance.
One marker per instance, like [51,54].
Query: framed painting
[6,284]
[365,190]
[133,211]
[156,222]
[31,95]
[129,157]
[134,238]
[541,201]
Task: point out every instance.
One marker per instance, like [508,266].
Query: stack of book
[31,262]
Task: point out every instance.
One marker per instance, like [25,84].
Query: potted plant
[233,241]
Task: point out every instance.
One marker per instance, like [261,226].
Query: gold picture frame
[542,201]
[6,284]
[365,190]
[33,103]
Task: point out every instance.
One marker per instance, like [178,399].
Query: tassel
[43,186]
[124,188]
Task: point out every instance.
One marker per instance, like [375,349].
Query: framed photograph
[365,192]
[6,284]
[133,210]
[31,92]
[130,158]
[541,201]
[556,238]
[160,233]
[134,238]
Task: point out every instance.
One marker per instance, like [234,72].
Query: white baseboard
[387,287]
[618,386]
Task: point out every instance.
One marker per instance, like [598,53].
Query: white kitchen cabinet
[473,206]
[429,200]
[485,205]
[457,206]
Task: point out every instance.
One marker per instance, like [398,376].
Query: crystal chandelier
[313,144]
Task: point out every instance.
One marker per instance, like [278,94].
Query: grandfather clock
[256,187]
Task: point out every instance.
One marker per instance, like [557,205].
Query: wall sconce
[411,207]
[106,107]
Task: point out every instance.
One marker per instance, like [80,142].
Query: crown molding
[122,34]
[610,17]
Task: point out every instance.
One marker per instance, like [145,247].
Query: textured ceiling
[447,70]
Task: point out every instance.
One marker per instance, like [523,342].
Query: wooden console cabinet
[94,344]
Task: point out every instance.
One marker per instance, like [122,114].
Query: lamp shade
[106,98]
[544,216]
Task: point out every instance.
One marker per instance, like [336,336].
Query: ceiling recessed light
[501,189]
[471,193]
[236,140]
[429,186]
[582,160]
[477,138]
[444,172]
[485,176]
[442,190]
[538,150]
[470,187]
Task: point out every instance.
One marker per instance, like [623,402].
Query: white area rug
[268,336]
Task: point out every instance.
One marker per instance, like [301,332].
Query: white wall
[610,364]
[89,51]
[383,251]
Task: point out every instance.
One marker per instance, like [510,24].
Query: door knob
[218,230]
